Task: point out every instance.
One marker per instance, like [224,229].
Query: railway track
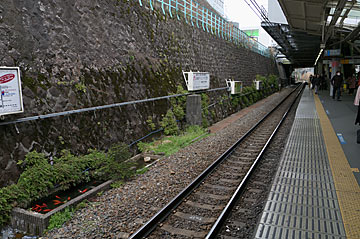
[200,210]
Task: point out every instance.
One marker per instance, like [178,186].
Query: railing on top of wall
[201,17]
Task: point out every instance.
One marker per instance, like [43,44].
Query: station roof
[312,24]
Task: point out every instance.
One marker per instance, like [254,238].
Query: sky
[239,11]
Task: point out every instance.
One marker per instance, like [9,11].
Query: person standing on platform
[357,120]
[316,83]
[310,81]
[336,82]
[352,84]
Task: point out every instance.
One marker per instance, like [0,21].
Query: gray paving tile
[303,202]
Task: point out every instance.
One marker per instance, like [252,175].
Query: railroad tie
[183,232]
[204,206]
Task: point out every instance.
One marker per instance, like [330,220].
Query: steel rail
[151,224]
[232,202]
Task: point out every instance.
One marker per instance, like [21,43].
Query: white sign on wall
[11,101]
[235,87]
[197,80]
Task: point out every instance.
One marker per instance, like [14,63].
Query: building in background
[275,13]
[218,5]
[257,33]
[235,24]
[253,33]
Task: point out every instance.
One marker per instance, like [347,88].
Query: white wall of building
[275,13]
[264,38]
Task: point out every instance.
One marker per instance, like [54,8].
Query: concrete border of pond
[36,223]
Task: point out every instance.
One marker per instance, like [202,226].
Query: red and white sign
[11,101]
[6,78]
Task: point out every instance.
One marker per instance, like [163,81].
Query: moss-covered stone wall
[76,54]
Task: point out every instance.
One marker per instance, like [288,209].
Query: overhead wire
[253,10]
[257,9]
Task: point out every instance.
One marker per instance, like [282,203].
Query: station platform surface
[342,116]
[315,193]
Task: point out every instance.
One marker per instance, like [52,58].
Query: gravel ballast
[119,212]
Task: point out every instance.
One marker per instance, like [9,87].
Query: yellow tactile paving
[347,188]
[355,170]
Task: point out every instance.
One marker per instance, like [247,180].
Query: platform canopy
[315,24]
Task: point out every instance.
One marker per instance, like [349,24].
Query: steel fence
[199,16]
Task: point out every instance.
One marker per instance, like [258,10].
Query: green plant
[150,122]
[114,165]
[178,104]
[58,219]
[168,123]
[246,101]
[178,111]
[39,176]
[235,101]
[213,114]
[260,78]
[80,87]
[61,139]
[205,109]
[274,81]
[83,204]
[117,184]
[142,170]
[7,202]
[175,113]
[143,147]
[172,144]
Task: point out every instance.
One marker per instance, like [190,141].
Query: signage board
[235,87]
[332,52]
[258,85]
[350,61]
[197,80]
[11,101]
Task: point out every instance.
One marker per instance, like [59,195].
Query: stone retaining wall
[76,54]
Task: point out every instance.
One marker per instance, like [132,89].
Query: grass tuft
[171,144]
[58,219]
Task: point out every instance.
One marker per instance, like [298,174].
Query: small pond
[57,199]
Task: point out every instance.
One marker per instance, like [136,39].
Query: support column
[193,110]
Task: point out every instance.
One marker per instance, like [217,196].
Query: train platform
[315,193]
[342,117]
